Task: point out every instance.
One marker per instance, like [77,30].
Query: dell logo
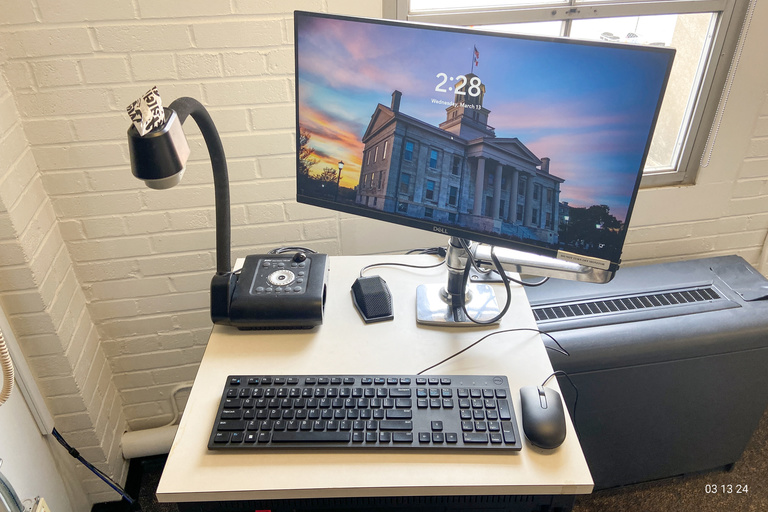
[438,229]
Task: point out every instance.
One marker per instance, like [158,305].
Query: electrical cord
[481,270]
[465,280]
[438,251]
[74,453]
[575,389]
[559,348]
[283,250]
[7,367]
[8,373]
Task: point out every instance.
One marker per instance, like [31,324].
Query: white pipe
[152,441]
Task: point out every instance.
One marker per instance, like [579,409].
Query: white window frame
[705,103]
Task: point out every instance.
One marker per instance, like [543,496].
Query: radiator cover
[670,362]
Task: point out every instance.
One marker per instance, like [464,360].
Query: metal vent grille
[624,304]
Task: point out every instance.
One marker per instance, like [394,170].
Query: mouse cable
[559,348]
[575,389]
[74,453]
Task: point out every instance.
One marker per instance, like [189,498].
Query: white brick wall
[46,307]
[143,258]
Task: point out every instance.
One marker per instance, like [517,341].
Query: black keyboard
[366,411]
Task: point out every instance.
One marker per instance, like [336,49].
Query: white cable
[7,366]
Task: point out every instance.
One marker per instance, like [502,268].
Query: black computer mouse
[543,416]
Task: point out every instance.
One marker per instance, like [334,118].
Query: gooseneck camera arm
[185,107]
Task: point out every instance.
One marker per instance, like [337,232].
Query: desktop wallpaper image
[587,107]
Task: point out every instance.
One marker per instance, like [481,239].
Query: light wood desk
[344,344]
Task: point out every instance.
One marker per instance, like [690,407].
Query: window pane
[427,5]
[690,35]
[540,28]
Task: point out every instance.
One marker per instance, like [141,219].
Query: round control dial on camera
[281,277]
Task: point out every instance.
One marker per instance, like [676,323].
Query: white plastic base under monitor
[433,306]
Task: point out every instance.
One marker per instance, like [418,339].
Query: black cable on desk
[559,348]
[437,251]
[74,453]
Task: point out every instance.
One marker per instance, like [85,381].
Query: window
[456,165]
[453,195]
[408,155]
[433,159]
[384,153]
[429,213]
[429,194]
[488,210]
[405,182]
[704,32]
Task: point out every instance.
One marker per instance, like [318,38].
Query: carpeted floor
[743,489]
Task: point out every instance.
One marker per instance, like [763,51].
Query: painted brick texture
[46,307]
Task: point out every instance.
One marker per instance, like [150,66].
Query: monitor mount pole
[450,304]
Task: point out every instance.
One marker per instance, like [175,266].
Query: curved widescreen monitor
[523,142]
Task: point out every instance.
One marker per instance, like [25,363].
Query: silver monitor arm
[450,304]
[529,263]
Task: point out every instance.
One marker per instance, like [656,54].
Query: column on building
[495,213]
[479,186]
[528,206]
[556,209]
[512,210]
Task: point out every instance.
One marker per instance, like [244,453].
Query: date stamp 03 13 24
[726,489]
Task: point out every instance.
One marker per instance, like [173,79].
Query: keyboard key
[311,437]
[504,410]
[475,437]
[508,432]
[395,425]
[230,425]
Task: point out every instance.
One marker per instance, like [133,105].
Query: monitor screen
[516,141]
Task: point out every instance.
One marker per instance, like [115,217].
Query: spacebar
[310,437]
